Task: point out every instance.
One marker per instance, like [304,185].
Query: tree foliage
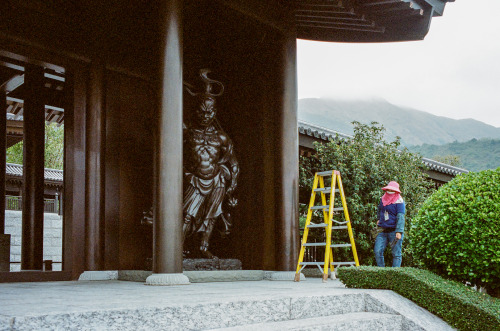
[366,164]
[474,155]
[54,148]
[453,160]
[457,231]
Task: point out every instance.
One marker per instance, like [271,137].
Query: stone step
[216,312]
[119,305]
[349,321]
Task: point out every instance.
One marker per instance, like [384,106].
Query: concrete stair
[348,322]
[351,311]
[246,305]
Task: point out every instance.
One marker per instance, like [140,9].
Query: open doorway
[31,166]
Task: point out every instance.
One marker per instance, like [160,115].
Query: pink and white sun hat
[393,186]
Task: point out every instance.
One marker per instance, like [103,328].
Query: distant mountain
[415,127]
[475,154]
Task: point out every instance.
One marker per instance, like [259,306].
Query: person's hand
[398,235]
[377,222]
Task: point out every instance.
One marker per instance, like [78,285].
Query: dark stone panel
[112,179]
[247,56]
[130,108]
[211,264]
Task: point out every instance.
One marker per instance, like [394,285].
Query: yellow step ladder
[329,210]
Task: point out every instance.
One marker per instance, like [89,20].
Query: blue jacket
[395,212]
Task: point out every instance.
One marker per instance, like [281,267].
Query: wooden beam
[11,65]
[345,11]
[338,3]
[60,120]
[332,19]
[366,24]
[397,7]
[19,113]
[319,5]
[12,83]
[381,3]
[344,28]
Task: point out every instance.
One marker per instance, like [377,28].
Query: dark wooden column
[3,139]
[33,175]
[94,176]
[288,181]
[167,254]
[75,105]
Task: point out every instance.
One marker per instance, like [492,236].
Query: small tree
[457,231]
[366,164]
[54,148]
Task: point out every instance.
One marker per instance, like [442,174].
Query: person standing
[391,218]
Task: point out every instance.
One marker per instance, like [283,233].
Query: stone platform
[245,305]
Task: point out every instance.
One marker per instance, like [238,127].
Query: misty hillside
[475,154]
[413,126]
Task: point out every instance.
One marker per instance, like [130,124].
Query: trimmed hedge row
[458,305]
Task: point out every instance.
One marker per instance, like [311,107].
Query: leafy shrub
[366,163]
[457,231]
[457,304]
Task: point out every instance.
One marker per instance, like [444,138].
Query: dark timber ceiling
[365,20]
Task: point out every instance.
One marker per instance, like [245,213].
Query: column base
[167,279]
[284,275]
[99,275]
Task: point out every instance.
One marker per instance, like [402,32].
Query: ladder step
[320,225]
[326,208]
[324,225]
[325,189]
[314,244]
[340,245]
[334,263]
[320,207]
[311,263]
[325,173]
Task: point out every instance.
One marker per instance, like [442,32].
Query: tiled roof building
[308,133]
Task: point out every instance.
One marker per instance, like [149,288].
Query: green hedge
[458,305]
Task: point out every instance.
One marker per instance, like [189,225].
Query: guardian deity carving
[210,168]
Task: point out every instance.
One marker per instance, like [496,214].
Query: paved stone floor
[17,299]
[22,301]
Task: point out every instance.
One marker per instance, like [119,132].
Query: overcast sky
[454,72]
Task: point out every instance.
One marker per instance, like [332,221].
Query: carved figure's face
[206,112]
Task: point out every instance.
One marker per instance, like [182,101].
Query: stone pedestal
[167,279]
[99,275]
[4,252]
[210,264]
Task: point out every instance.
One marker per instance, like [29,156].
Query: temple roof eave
[365,20]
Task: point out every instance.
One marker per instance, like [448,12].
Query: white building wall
[52,238]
